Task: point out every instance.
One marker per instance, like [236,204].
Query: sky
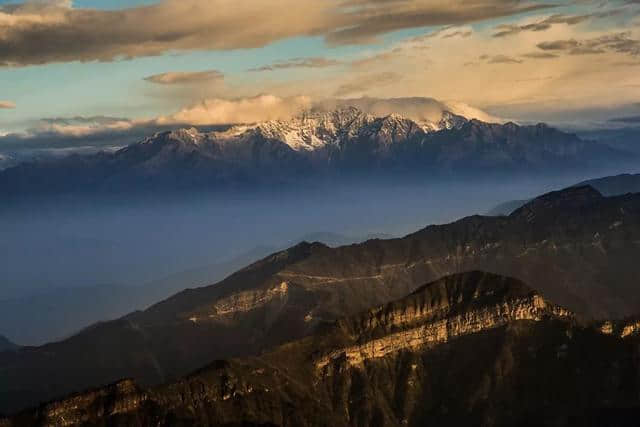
[85,66]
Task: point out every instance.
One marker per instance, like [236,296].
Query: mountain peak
[182,135]
[568,198]
[450,121]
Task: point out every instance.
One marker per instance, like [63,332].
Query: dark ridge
[6,345]
[461,287]
[568,199]
[615,185]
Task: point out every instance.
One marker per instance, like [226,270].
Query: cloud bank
[244,110]
[45,31]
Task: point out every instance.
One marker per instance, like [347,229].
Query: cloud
[505,30]
[501,59]
[39,32]
[446,32]
[181,77]
[363,83]
[415,108]
[373,60]
[539,55]
[243,110]
[7,105]
[620,42]
[559,45]
[627,120]
[77,133]
[82,126]
[316,62]
[45,31]
[371,18]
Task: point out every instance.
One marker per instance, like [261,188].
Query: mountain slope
[309,148]
[6,345]
[506,208]
[576,246]
[616,185]
[469,349]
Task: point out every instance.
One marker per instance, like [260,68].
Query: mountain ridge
[581,256]
[390,377]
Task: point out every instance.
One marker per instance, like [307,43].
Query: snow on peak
[187,135]
[313,129]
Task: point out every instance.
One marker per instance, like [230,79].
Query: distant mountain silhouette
[616,185]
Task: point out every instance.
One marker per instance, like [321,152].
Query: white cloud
[244,110]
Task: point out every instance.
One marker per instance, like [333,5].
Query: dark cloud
[375,17]
[540,55]
[182,77]
[509,30]
[627,119]
[316,62]
[617,42]
[45,31]
[559,45]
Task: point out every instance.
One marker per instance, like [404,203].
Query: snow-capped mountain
[316,130]
[311,145]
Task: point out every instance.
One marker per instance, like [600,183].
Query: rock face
[576,247]
[310,149]
[489,352]
[449,308]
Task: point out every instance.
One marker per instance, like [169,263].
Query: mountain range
[575,246]
[467,349]
[343,142]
